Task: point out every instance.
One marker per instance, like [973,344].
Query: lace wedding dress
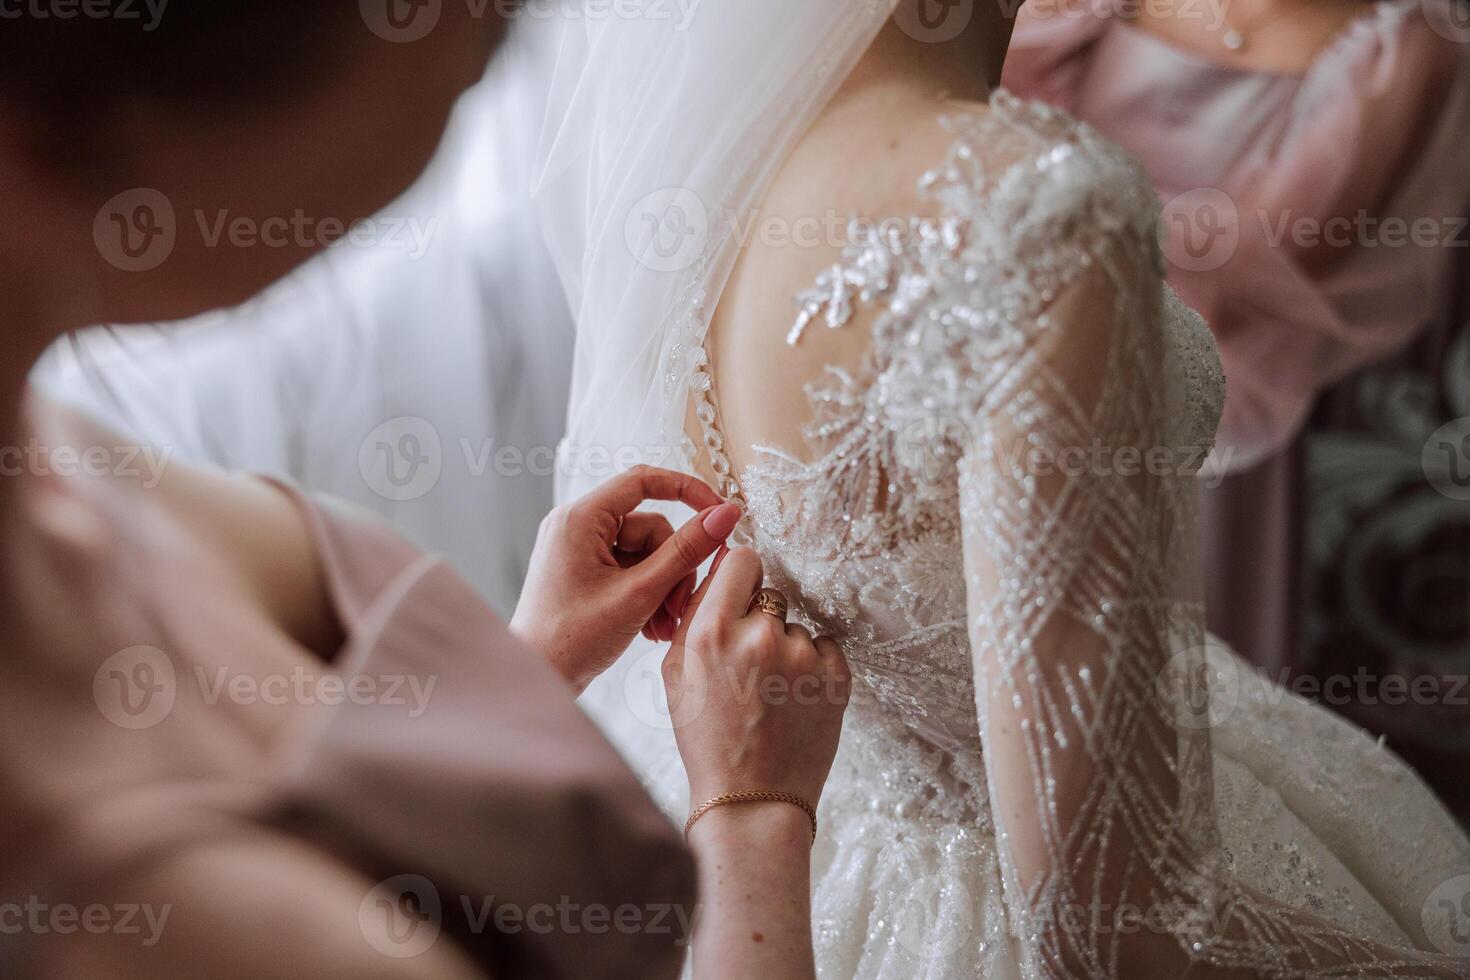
[1049,770]
[973,499]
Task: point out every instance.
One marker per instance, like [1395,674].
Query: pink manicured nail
[722,520]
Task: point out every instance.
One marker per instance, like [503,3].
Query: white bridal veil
[665,121]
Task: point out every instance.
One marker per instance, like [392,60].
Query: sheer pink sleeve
[481,779]
[1047,56]
[435,804]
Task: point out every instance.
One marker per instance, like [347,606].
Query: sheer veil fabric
[662,130]
[1031,784]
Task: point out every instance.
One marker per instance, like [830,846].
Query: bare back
[799,232]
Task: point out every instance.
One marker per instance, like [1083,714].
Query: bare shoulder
[1019,176]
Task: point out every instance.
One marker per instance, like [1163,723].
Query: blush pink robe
[139,732]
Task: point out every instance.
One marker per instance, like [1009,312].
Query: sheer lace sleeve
[1046,370]
[1073,560]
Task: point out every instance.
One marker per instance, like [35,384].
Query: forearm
[754,920]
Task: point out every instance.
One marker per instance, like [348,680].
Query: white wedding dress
[1048,770]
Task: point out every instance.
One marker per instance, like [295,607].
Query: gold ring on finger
[770,602]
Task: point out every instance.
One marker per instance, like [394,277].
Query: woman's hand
[756,704]
[602,572]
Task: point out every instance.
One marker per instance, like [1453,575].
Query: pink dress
[1329,547]
[153,723]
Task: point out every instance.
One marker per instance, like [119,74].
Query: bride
[919,329]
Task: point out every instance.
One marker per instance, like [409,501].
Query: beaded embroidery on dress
[995,517]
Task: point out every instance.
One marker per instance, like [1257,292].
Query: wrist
[522,631]
[771,827]
[544,645]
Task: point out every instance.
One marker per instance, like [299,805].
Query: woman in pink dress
[1312,157]
[243,733]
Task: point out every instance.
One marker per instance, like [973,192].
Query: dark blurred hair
[206,54]
[200,57]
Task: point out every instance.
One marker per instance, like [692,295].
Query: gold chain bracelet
[753,797]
